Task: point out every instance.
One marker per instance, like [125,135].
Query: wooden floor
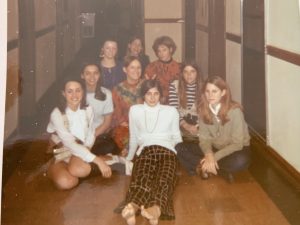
[31,199]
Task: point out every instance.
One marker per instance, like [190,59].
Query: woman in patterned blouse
[126,94]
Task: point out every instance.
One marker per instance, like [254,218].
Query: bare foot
[152,214]
[128,213]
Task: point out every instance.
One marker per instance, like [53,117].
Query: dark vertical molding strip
[190,31]
[287,56]
[27,63]
[216,62]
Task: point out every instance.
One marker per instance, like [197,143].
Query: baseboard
[260,146]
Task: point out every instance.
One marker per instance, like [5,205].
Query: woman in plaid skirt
[154,132]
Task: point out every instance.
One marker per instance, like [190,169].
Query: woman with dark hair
[165,69]
[154,132]
[184,94]
[100,99]
[111,69]
[135,48]
[223,133]
[72,132]
[126,94]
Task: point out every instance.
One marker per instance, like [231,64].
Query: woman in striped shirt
[184,94]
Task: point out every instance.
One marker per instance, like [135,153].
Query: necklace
[151,131]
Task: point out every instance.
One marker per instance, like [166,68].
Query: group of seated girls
[146,116]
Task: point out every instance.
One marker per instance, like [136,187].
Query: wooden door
[216,51]
[254,98]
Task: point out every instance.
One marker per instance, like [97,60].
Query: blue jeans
[189,155]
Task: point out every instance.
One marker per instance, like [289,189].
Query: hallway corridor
[245,42]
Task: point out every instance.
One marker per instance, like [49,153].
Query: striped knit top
[188,114]
[174,97]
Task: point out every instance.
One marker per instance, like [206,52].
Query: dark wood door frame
[254,90]
[217,57]
[190,29]
[27,62]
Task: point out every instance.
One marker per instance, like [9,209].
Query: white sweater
[157,125]
[80,127]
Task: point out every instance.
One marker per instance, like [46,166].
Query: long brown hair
[62,104]
[226,101]
[99,94]
[182,83]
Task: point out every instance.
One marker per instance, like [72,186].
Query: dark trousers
[189,155]
[104,144]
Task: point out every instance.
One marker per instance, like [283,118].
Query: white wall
[283,79]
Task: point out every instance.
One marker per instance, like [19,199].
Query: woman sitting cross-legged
[154,132]
[100,99]
[126,94]
[184,94]
[72,131]
[223,133]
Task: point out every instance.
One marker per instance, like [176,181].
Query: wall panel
[233,16]
[233,69]
[45,63]
[12,17]
[44,13]
[283,81]
[202,51]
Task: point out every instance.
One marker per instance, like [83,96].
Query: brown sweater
[227,138]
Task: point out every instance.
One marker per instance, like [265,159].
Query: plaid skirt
[153,180]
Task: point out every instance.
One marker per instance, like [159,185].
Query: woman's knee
[66,182]
[180,149]
[236,162]
[243,161]
[78,168]
[62,179]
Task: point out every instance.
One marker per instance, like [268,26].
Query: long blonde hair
[226,101]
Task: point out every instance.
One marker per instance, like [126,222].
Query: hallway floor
[29,198]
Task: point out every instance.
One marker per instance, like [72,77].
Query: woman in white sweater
[154,132]
[72,131]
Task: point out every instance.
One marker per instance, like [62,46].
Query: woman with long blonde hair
[223,133]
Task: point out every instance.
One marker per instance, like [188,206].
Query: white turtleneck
[158,125]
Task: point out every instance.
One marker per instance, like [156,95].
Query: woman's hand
[124,124]
[147,77]
[193,129]
[124,152]
[209,164]
[103,167]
